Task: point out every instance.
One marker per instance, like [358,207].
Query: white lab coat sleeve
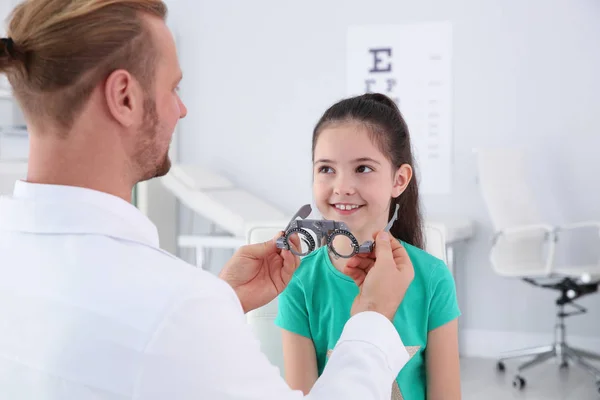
[204,349]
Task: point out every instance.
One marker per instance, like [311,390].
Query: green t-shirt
[317,303]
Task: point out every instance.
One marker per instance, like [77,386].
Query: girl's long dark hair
[389,131]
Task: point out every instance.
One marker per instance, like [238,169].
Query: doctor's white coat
[91,308]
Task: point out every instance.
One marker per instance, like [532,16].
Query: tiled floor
[480,380]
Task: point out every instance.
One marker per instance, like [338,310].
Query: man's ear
[122,97]
[402,178]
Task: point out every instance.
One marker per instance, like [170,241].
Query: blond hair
[57,51]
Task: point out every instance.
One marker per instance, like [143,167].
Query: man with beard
[90,307]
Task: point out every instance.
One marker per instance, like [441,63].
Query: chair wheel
[598,386]
[518,382]
[500,366]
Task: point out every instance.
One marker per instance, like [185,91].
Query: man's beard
[148,158]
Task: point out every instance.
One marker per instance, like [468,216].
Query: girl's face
[353,181]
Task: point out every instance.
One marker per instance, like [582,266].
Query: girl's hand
[382,277]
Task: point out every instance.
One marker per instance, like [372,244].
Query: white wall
[258,75]
[10,113]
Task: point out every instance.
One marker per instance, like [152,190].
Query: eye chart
[412,64]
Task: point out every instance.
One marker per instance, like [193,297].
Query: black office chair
[570,290]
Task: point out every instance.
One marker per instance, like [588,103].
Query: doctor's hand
[260,272]
[382,277]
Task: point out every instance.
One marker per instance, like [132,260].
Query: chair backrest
[510,203]
[505,189]
[262,319]
[435,242]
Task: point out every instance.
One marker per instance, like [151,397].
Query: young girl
[363,167]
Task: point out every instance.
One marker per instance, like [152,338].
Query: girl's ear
[402,178]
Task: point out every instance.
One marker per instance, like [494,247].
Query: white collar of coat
[58,209]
